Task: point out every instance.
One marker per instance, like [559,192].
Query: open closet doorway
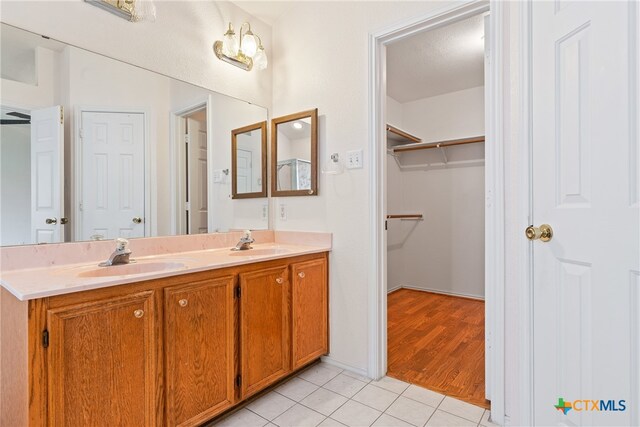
[192,176]
[435,210]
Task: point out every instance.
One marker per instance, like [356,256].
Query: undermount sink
[260,252]
[133,268]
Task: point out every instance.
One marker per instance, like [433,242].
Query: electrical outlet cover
[354,159]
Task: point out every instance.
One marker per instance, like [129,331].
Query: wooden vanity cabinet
[264,328]
[199,331]
[309,311]
[175,351]
[101,361]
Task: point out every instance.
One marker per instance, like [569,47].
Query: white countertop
[32,283]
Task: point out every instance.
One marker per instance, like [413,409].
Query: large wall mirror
[294,155]
[95,148]
[249,161]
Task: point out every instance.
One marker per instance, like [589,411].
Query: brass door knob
[51,221]
[137,220]
[544,232]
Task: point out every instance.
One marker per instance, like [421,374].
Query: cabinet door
[199,350]
[264,328]
[102,362]
[309,311]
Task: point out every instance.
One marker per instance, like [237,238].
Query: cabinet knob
[280,280]
[138,313]
[183,302]
[301,275]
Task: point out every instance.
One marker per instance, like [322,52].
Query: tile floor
[324,395]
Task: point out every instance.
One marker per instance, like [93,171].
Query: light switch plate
[354,159]
[282,212]
[265,212]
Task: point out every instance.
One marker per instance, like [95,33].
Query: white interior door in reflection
[47,196]
[112,176]
[244,171]
[197,176]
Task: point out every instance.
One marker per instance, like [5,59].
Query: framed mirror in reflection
[249,161]
[294,157]
[95,148]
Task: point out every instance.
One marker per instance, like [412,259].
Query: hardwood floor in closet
[437,341]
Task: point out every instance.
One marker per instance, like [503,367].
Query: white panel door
[47,175]
[585,185]
[244,171]
[112,177]
[197,180]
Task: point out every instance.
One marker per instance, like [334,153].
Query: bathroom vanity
[174,339]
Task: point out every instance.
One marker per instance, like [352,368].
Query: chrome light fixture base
[240,61]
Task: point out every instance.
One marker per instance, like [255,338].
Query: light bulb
[260,59]
[230,43]
[248,46]
[297,125]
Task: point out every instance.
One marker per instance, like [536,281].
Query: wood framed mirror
[294,154]
[249,161]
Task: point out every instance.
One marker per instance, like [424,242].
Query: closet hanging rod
[410,216]
[441,144]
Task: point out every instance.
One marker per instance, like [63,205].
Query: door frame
[176,160]
[497,113]
[150,198]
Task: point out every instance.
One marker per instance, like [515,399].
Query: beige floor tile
[299,416]
[354,414]
[391,384]
[445,419]
[387,420]
[242,418]
[375,397]
[297,389]
[462,409]
[271,405]
[345,385]
[423,395]
[408,410]
[319,374]
[324,401]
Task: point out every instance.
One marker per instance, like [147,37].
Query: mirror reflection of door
[249,161]
[196,173]
[31,151]
[112,172]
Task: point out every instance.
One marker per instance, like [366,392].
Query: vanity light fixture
[245,52]
[131,10]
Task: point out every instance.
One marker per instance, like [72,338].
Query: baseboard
[436,291]
[392,290]
[331,361]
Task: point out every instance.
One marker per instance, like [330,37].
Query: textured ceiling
[435,62]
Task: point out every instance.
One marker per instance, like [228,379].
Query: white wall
[179,44]
[445,252]
[321,60]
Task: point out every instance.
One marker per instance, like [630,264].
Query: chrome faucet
[245,242]
[120,255]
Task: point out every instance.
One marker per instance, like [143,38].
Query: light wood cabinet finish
[102,362]
[264,328]
[309,311]
[162,352]
[199,350]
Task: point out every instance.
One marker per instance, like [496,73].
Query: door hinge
[238,291]
[81,133]
[238,381]
[45,338]
[186,139]
[61,115]
[386,224]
